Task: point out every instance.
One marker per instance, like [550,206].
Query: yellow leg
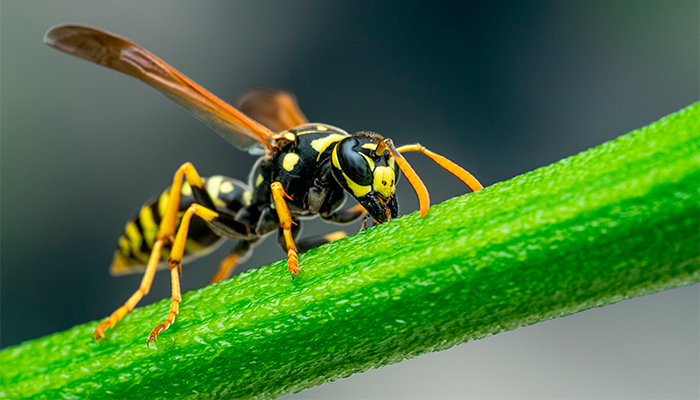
[175,263]
[144,288]
[285,217]
[166,231]
[167,225]
[333,236]
[174,307]
[226,268]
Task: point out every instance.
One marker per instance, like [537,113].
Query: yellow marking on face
[392,163]
[247,197]
[148,224]
[371,146]
[135,240]
[259,180]
[321,128]
[384,181]
[322,144]
[289,161]
[357,190]
[369,161]
[290,136]
[226,187]
[186,189]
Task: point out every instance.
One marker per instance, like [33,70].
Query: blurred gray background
[501,88]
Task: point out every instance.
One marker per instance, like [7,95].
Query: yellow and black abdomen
[136,242]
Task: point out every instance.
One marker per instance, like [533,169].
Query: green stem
[617,221]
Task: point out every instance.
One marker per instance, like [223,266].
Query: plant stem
[617,221]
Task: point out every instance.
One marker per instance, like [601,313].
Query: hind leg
[312,242]
[165,235]
[238,255]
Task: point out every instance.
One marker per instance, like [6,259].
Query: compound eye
[354,164]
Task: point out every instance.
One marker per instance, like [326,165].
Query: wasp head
[369,177]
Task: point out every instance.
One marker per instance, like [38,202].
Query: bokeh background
[499,87]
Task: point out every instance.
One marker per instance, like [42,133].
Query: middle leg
[238,255]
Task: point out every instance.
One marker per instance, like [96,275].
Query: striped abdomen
[139,235]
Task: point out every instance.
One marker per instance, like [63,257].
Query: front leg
[285,217]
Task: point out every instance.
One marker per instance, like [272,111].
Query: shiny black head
[370,178]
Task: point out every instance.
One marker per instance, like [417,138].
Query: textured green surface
[617,221]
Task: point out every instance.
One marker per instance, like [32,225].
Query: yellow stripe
[124,247]
[371,146]
[369,161]
[163,202]
[334,158]
[135,240]
[148,224]
[357,190]
[259,180]
[320,145]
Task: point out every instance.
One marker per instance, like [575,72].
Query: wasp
[303,171]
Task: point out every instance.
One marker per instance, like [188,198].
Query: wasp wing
[117,53]
[276,109]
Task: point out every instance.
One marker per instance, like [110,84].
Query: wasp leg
[345,216]
[285,217]
[462,174]
[144,288]
[312,242]
[166,230]
[175,263]
[238,255]
[296,232]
